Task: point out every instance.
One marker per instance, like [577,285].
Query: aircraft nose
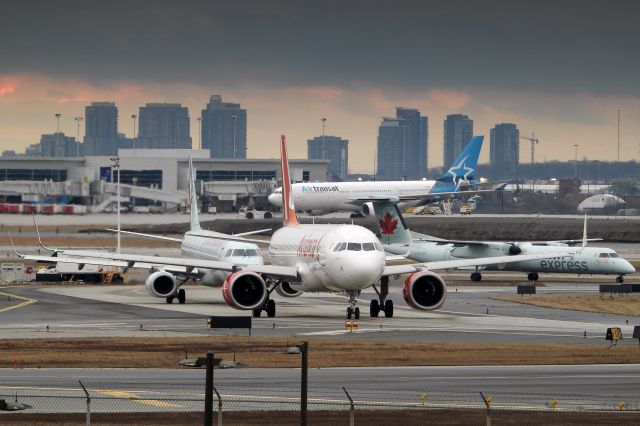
[629,269]
[275,199]
[359,273]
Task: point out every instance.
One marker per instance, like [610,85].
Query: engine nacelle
[514,249]
[367,209]
[244,290]
[161,284]
[425,290]
[285,290]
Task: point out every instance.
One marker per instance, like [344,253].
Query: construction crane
[534,142]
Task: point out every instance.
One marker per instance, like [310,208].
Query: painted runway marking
[26,302]
[133,397]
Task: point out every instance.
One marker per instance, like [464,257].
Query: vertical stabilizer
[392,227]
[464,167]
[193,198]
[288,209]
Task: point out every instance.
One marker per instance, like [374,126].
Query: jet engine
[244,290]
[514,249]
[161,284]
[367,209]
[424,290]
[285,290]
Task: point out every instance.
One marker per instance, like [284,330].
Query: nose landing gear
[620,279]
[353,309]
[533,276]
[382,304]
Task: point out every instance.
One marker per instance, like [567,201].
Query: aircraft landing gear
[620,279]
[182,296]
[269,307]
[476,276]
[382,304]
[533,276]
[353,309]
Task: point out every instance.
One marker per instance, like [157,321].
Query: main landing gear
[180,295]
[620,279]
[533,276]
[382,304]
[353,309]
[476,276]
[270,305]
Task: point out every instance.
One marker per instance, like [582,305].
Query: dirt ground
[627,304]
[268,352]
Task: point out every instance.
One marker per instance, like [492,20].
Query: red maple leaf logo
[388,224]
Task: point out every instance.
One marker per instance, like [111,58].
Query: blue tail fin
[464,168]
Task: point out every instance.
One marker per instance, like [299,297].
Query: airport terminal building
[148,176]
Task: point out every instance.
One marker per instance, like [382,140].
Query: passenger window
[368,247]
[354,247]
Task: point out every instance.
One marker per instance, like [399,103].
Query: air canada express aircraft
[304,258]
[398,239]
[322,198]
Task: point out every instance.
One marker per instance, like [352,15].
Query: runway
[595,386]
[469,314]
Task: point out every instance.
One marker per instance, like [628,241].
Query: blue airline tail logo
[463,169]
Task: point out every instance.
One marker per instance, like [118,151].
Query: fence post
[487,402]
[304,351]
[208,392]
[88,403]
[352,412]
[219,406]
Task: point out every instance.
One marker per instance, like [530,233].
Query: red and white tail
[288,209]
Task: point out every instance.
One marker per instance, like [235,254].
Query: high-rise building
[416,149]
[163,126]
[58,145]
[458,131]
[336,150]
[101,129]
[505,149]
[393,138]
[224,129]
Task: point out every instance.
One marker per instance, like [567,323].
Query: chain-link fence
[326,406]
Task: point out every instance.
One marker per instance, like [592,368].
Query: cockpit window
[613,255]
[240,252]
[603,255]
[251,252]
[337,247]
[228,253]
[378,247]
[368,247]
[354,246]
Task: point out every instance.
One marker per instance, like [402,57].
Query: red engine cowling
[244,290]
[425,290]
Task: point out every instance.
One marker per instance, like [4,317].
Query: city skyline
[287,79]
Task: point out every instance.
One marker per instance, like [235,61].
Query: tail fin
[193,198]
[288,209]
[464,168]
[393,228]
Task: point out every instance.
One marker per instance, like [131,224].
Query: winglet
[38,234]
[289,217]
[14,247]
[193,198]
[584,232]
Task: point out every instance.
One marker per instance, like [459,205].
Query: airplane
[398,239]
[196,243]
[322,198]
[307,258]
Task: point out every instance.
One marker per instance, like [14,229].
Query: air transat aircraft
[398,239]
[309,258]
[322,198]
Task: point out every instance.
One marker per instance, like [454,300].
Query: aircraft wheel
[257,312]
[620,279]
[357,313]
[536,277]
[388,309]
[169,299]
[271,308]
[374,309]
[476,276]
[182,296]
[349,312]
[531,276]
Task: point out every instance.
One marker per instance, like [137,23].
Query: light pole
[133,116]
[57,114]
[199,132]
[78,120]
[116,165]
[235,119]
[324,120]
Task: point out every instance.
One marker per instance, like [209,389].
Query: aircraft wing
[459,263]
[233,237]
[140,234]
[455,242]
[176,265]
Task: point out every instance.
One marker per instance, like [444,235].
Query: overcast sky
[560,69]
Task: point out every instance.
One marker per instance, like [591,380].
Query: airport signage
[229,322]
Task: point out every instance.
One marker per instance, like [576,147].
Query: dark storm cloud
[546,45]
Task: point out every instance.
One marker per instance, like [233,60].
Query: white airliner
[308,258]
[398,239]
[322,198]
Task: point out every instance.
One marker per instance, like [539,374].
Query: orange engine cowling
[244,290]
[425,290]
